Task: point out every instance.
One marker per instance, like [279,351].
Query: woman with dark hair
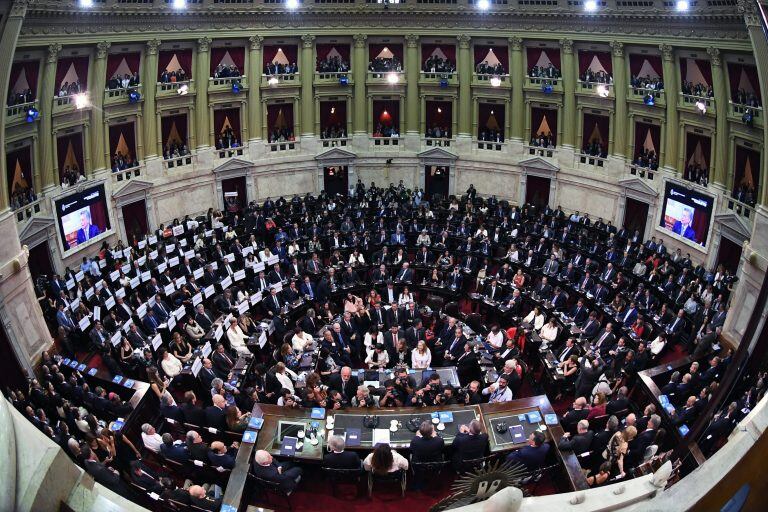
[236,421]
[384,460]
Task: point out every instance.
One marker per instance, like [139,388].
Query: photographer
[393,397]
[404,383]
[364,399]
[446,396]
[470,395]
[336,400]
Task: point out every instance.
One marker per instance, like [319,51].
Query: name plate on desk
[177,230]
[84,323]
[173,261]
[142,244]
[209,291]
[259,267]
[80,275]
[152,240]
[96,313]
[171,323]
[256,297]
[162,267]
[156,342]
[120,293]
[74,304]
[198,273]
[170,248]
[153,255]
[109,303]
[181,282]
[142,310]
[243,307]
[206,350]
[114,276]
[219,332]
[239,275]
[127,325]
[226,283]
[180,312]
[197,299]
[135,282]
[146,276]
[116,338]
[169,288]
[196,366]
[142,260]
[273,259]
[229,258]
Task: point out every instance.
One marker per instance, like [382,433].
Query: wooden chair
[338,476]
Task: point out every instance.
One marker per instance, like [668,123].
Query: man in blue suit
[683,226]
[87,230]
[629,315]
[397,238]
[175,452]
[533,455]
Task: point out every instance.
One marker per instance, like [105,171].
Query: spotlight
[701,106]
[85,3]
[602,91]
[483,5]
[495,81]
[179,4]
[133,96]
[81,101]
[590,5]
[649,100]
[292,4]
[273,81]
[235,87]
[393,78]
[183,90]
[343,80]
[32,114]
[682,5]
[746,118]
[439,110]
[546,89]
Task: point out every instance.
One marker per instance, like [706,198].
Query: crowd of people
[699,89]
[336,131]
[749,99]
[281,135]
[647,82]
[484,68]
[176,150]
[745,193]
[489,135]
[647,158]
[227,71]
[383,130]
[227,139]
[438,132]
[70,88]
[383,65]
[179,75]
[277,68]
[121,162]
[549,71]
[543,140]
[437,64]
[70,176]
[696,174]
[21,97]
[22,197]
[595,148]
[332,64]
[599,77]
[125,82]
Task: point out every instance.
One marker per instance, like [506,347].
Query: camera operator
[364,399]
[404,383]
[446,397]
[335,400]
[288,399]
[470,395]
[428,392]
[393,397]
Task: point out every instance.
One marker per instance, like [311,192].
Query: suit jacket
[271,474]
[178,453]
[222,364]
[532,457]
[579,443]
[347,390]
[427,450]
[193,415]
[467,447]
[215,418]
[224,460]
[343,460]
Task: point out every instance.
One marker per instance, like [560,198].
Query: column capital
[667,52]
[714,56]
[152,46]
[102,48]
[515,43]
[566,45]
[307,41]
[618,48]
[748,9]
[203,44]
[19,8]
[359,40]
[53,52]
[412,40]
[463,40]
[256,42]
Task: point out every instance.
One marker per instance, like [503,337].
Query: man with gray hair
[579,443]
[282,473]
[151,439]
[337,458]
[172,450]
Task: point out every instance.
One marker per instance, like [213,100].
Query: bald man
[282,473]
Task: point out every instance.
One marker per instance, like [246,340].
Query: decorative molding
[733,227]
[464,41]
[714,56]
[412,40]
[36,226]
[618,48]
[19,8]
[336,154]
[307,41]
[53,53]
[102,49]
[748,8]
[437,154]
[256,42]
[132,187]
[538,165]
[567,46]
[204,44]
[667,52]
[639,187]
[359,40]
[152,46]
[515,43]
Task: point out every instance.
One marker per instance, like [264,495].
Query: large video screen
[686,214]
[82,217]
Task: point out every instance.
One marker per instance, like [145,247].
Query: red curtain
[392,116]
[337,118]
[129,135]
[99,212]
[692,140]
[375,49]
[324,49]
[500,51]
[740,171]
[183,56]
[135,219]
[538,115]
[641,133]
[219,118]
[62,150]
[636,61]
[31,69]
[448,50]
[704,67]
[133,60]
[444,118]
[734,77]
[24,179]
[273,112]
[484,113]
[533,55]
[602,123]
[586,57]
[291,52]
[81,69]
[237,53]
[167,123]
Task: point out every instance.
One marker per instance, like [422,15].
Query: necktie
[602,339]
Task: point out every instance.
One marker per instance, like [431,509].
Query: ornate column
[671,88]
[517,75]
[721,121]
[465,85]
[47,92]
[254,86]
[97,86]
[307,75]
[152,135]
[412,67]
[359,74]
[201,73]
[620,92]
[570,74]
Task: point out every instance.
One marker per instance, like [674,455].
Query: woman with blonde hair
[421,357]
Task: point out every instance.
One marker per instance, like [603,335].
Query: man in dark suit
[208,373]
[425,445]
[174,452]
[282,473]
[577,412]
[619,403]
[142,476]
[192,413]
[643,440]
[468,366]
[579,443]
[203,317]
[337,458]
[214,414]
[107,477]
[222,362]
[533,455]
[87,230]
[470,443]
[170,410]
[345,383]
[405,274]
[220,457]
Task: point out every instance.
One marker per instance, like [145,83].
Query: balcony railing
[386,77]
[68,103]
[165,89]
[595,88]
[737,110]
[639,93]
[386,143]
[741,209]
[539,83]
[177,161]
[29,210]
[18,113]
[693,101]
[490,80]
[439,78]
[336,143]
[119,95]
[289,80]
[230,152]
[333,78]
[278,147]
[642,172]
[540,151]
[436,142]
[595,161]
[487,145]
[126,174]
